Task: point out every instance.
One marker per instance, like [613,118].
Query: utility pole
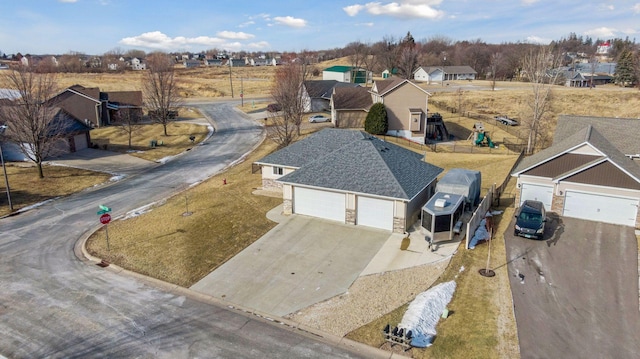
[230,79]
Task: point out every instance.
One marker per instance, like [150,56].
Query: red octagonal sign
[105,218]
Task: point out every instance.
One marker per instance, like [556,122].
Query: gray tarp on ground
[463,182]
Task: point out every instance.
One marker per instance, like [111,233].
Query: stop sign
[105,218]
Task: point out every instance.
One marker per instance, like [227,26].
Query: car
[319,118]
[505,120]
[274,107]
[530,220]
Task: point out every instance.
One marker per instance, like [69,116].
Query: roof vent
[440,203]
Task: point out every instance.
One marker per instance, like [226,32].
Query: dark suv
[530,220]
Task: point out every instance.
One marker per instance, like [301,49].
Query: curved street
[55,305]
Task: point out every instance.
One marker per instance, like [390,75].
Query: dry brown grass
[27,189]
[177,140]
[179,249]
[481,322]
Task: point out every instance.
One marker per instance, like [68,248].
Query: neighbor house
[316,94]
[444,73]
[351,177]
[72,135]
[592,171]
[350,106]
[96,108]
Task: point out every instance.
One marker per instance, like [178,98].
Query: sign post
[105,218]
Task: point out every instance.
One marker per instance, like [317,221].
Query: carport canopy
[442,211]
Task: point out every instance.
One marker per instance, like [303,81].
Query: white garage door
[373,212]
[80,141]
[536,192]
[601,208]
[317,203]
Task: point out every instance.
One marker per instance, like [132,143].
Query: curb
[341,342]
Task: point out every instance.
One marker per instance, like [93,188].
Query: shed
[441,213]
[463,182]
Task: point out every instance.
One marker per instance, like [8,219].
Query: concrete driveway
[300,262]
[576,293]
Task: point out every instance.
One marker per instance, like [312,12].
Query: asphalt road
[575,294]
[54,305]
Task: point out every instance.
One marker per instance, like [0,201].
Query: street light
[4,169]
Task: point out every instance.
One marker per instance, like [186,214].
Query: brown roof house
[592,171]
[406,105]
[98,108]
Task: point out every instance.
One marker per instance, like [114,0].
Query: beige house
[406,105]
[591,172]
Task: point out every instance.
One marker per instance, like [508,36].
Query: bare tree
[160,89]
[408,62]
[540,67]
[35,125]
[287,92]
[494,67]
[128,122]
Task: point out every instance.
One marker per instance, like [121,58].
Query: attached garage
[374,212]
[601,207]
[80,142]
[319,203]
[537,192]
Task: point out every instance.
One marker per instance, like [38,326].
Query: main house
[98,108]
[351,177]
[406,104]
[592,170]
[444,73]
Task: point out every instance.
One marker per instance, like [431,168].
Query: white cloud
[235,35]
[601,32]
[636,8]
[367,24]
[529,2]
[538,40]
[629,31]
[68,1]
[290,21]
[247,23]
[259,45]
[403,9]
[159,41]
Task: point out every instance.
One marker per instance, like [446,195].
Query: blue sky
[98,26]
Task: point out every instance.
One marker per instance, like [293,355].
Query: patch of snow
[36,205]
[425,311]
[461,269]
[135,151]
[116,178]
[138,211]
[164,160]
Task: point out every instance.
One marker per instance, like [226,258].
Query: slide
[490,143]
[480,138]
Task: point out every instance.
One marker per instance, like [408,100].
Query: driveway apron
[300,262]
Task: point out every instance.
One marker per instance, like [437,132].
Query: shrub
[377,122]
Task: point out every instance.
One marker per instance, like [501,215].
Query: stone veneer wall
[398,225]
[351,216]
[287,207]
[557,204]
[269,183]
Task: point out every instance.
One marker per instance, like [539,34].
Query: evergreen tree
[625,70]
[377,122]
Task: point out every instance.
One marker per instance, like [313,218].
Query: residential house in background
[351,177]
[316,94]
[592,170]
[347,74]
[95,108]
[350,106]
[137,64]
[191,63]
[439,74]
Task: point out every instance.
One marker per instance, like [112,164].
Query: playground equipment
[480,136]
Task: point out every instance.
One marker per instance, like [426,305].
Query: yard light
[4,169]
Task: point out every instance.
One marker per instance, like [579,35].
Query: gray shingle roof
[324,88]
[354,161]
[590,135]
[621,132]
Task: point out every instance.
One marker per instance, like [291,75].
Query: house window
[278,171]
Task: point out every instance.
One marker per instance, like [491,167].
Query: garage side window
[278,171]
